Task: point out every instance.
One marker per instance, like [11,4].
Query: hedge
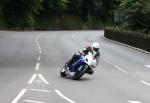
[139,40]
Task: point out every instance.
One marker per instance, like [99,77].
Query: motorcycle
[85,64]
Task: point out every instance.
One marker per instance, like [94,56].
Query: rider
[94,49]
[77,55]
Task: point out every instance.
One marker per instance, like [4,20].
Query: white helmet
[95,46]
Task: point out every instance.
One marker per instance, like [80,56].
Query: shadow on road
[81,79]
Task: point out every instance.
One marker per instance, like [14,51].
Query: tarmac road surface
[30,63]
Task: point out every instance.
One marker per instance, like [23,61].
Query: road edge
[129,46]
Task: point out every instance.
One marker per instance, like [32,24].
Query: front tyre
[80,73]
[63,72]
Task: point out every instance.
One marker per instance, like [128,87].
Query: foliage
[139,40]
[89,7]
[26,14]
[69,22]
[137,14]
[54,7]
[20,13]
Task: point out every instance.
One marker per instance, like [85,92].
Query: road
[30,63]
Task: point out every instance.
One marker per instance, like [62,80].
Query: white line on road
[33,101]
[147,84]
[39,90]
[148,66]
[37,66]
[19,96]
[38,44]
[40,52]
[32,78]
[64,97]
[121,69]
[39,48]
[134,102]
[43,79]
[39,59]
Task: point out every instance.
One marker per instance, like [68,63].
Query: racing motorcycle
[85,64]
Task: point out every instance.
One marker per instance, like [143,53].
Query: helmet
[95,46]
[85,50]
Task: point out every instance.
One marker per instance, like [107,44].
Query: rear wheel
[63,72]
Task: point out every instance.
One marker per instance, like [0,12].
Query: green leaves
[135,39]
[137,14]
[20,13]
[26,13]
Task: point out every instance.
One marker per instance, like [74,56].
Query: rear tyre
[63,72]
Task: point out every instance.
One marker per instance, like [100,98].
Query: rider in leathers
[94,49]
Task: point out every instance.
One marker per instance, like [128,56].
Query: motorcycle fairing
[74,66]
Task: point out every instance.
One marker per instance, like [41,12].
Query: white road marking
[38,44]
[43,79]
[147,84]
[39,48]
[39,90]
[134,101]
[33,101]
[19,96]
[37,66]
[32,78]
[39,58]
[64,97]
[148,66]
[40,52]
[121,69]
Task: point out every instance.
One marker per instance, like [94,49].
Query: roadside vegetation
[133,28]
[56,14]
[136,39]
[131,15]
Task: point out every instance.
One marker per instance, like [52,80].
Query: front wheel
[80,72]
[63,72]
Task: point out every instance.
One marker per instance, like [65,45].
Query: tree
[88,8]
[137,14]
[54,7]
[20,13]
[107,9]
[74,7]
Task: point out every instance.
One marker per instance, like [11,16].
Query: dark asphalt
[122,76]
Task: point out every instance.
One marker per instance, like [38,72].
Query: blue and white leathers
[74,66]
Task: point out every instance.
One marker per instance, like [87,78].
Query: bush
[58,23]
[139,40]
[137,14]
